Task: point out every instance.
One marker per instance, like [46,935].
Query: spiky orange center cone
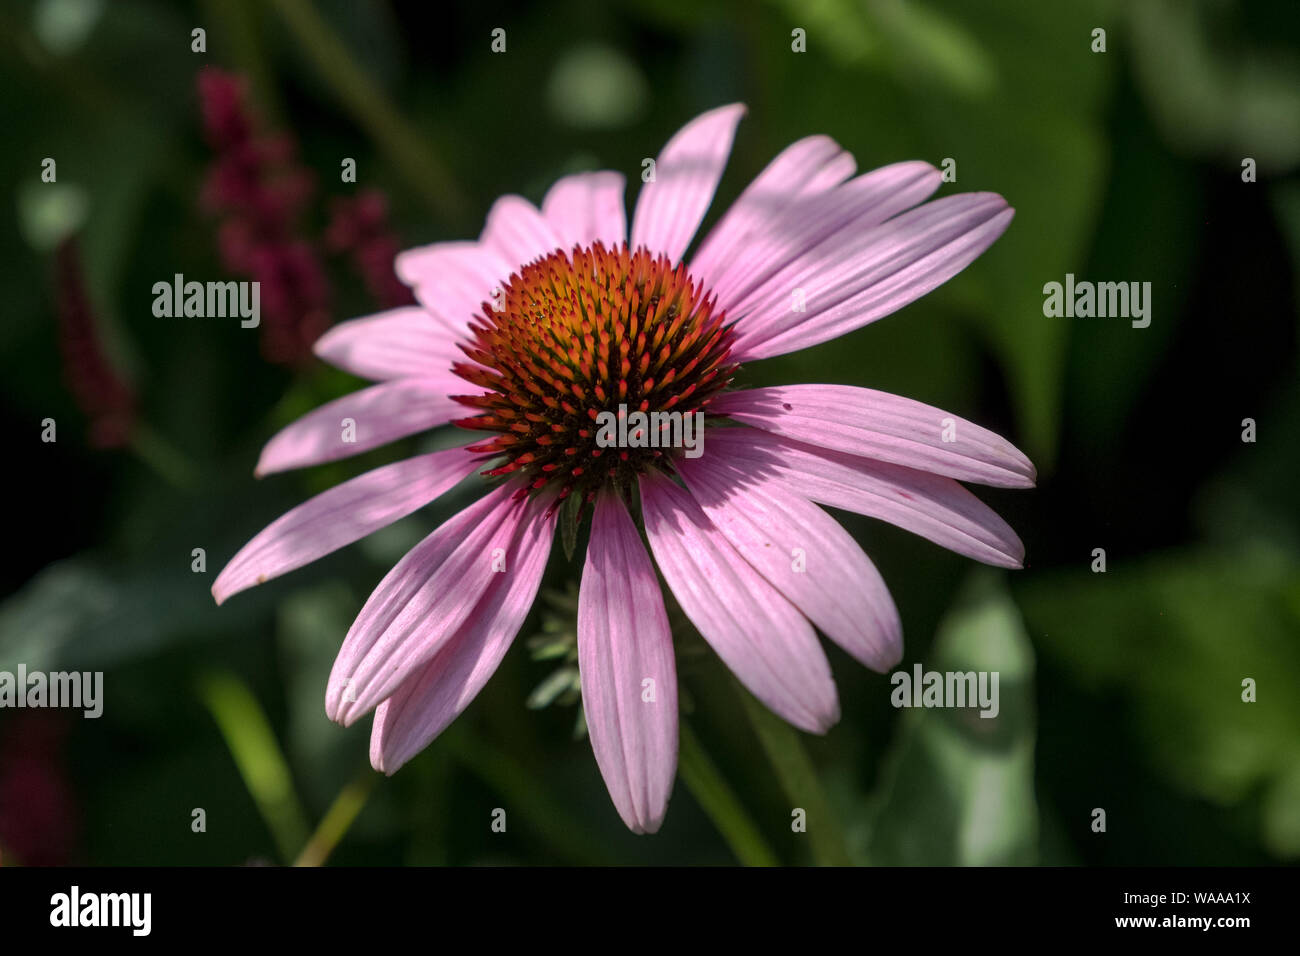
[576,334]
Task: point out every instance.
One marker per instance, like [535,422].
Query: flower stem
[367,105]
[265,772]
[547,816]
[167,461]
[345,808]
[719,802]
[799,781]
[242,22]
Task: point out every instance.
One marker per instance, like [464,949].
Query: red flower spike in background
[359,229]
[37,815]
[260,192]
[100,392]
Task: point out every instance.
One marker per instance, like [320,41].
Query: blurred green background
[1120,690]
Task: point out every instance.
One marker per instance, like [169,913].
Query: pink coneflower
[556,315]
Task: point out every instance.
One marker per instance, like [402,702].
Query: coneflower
[559,316]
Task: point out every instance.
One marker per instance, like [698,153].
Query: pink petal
[814,224]
[670,209]
[518,233]
[839,589]
[860,277]
[400,343]
[453,280]
[760,635]
[806,168]
[345,513]
[587,208]
[623,641]
[934,507]
[435,694]
[420,604]
[871,424]
[381,413]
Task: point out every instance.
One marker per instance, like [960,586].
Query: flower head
[560,317]
[579,333]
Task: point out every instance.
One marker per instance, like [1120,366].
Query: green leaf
[800,782]
[248,734]
[558,642]
[958,789]
[84,613]
[1210,92]
[719,801]
[1176,636]
[570,518]
[310,625]
[561,680]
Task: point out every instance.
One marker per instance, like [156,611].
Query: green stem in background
[719,802]
[242,26]
[367,105]
[428,816]
[547,817]
[265,772]
[799,781]
[338,818]
[167,461]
